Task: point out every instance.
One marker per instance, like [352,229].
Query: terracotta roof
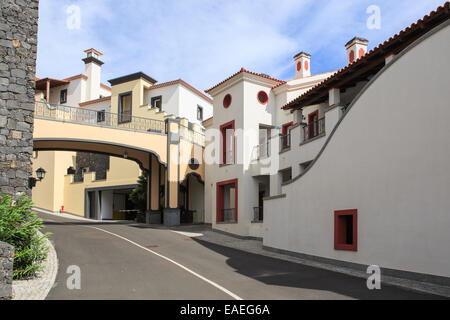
[78,76]
[83,104]
[104,86]
[373,61]
[314,75]
[246,71]
[184,83]
[92,49]
[41,84]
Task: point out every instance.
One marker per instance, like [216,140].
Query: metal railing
[228,157]
[313,129]
[101,118]
[229,215]
[285,141]
[261,151]
[258,214]
[192,136]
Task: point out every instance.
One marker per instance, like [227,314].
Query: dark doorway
[92,206]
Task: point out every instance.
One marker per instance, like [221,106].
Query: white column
[334,97]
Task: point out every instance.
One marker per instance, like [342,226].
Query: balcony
[229,215]
[313,130]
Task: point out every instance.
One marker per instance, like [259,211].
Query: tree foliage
[139,195]
[19,226]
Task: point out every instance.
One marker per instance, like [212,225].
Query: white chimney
[302,65]
[356,49]
[93,71]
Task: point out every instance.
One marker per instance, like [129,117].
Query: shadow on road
[277,272]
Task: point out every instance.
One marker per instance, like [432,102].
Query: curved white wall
[390,159]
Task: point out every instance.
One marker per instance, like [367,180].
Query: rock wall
[18,46]
[6,270]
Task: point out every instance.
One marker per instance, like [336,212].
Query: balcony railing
[285,141]
[44,110]
[261,151]
[313,129]
[258,214]
[192,136]
[228,158]
[229,215]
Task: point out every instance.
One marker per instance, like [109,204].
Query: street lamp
[40,174]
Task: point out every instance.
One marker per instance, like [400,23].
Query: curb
[39,287]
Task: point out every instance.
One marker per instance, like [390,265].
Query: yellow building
[136,116]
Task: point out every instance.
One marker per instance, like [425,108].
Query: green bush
[139,195]
[19,226]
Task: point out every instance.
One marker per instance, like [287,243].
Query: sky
[205,41]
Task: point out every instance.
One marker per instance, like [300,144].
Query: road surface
[131,261]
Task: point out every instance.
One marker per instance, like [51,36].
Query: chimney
[302,65]
[356,48]
[93,71]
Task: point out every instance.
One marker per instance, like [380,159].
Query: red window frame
[311,121]
[227,101]
[219,198]
[223,129]
[266,97]
[284,130]
[340,231]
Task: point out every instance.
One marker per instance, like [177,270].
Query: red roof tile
[393,45]
[249,72]
[184,83]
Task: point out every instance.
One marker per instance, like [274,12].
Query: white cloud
[205,41]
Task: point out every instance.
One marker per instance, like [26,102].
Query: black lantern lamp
[40,174]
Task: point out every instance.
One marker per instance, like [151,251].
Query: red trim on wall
[266,97]
[223,145]
[284,130]
[306,65]
[219,198]
[351,56]
[299,66]
[340,230]
[227,100]
[313,115]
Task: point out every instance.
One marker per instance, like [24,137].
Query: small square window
[63,96]
[199,113]
[101,116]
[346,230]
[157,103]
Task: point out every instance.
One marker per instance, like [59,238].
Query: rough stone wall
[6,270]
[98,163]
[18,46]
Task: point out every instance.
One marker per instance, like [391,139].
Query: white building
[362,168]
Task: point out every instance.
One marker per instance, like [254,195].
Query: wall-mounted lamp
[40,174]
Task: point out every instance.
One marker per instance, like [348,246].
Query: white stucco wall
[388,158]
[188,105]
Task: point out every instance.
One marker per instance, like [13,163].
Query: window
[263,98]
[156,102]
[101,116]
[228,143]
[125,107]
[227,101]
[346,230]
[313,124]
[63,96]
[227,201]
[286,175]
[199,113]
[286,143]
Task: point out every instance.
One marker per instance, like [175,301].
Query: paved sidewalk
[256,247]
[39,287]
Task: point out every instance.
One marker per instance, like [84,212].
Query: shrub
[19,226]
[139,195]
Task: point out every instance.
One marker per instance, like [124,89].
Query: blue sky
[205,41]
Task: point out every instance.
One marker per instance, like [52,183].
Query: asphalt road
[127,261]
